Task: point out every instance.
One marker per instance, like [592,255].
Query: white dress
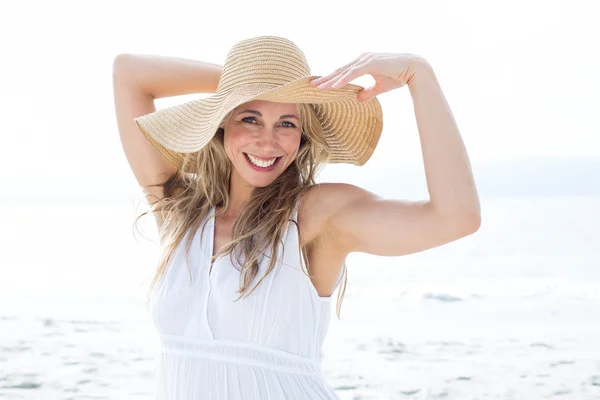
[265,346]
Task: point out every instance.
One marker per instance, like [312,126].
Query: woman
[242,164]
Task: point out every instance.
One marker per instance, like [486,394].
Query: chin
[259,183]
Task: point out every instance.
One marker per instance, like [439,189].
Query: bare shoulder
[321,203]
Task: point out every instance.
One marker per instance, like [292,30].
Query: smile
[260,164]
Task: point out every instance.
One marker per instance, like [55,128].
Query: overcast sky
[521,77]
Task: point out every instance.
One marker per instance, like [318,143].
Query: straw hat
[273,69]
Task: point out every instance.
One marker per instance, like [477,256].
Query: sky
[521,78]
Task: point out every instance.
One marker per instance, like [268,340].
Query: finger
[318,81]
[327,83]
[368,93]
[325,78]
[335,73]
[345,76]
[349,75]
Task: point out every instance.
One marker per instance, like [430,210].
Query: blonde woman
[252,248]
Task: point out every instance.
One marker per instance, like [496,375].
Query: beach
[508,313]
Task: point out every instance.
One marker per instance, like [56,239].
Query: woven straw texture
[273,69]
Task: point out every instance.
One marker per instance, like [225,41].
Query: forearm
[448,172]
[160,76]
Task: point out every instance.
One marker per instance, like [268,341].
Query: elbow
[470,218]
[470,222]
[121,63]
[464,224]
[475,222]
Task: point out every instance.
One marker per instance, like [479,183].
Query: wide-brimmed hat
[274,69]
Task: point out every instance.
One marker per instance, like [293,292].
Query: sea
[510,312]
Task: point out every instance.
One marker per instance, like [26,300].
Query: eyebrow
[260,115]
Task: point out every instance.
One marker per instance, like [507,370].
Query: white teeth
[260,163]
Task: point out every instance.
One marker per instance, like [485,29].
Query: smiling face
[262,139]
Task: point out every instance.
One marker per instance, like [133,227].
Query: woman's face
[261,140]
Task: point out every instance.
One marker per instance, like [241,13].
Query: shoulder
[321,203]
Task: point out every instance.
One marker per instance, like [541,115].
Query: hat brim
[352,128]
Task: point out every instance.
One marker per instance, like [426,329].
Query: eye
[252,120]
[248,118]
[291,125]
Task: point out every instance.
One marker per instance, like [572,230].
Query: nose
[266,139]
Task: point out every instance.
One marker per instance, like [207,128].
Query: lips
[264,169]
[262,161]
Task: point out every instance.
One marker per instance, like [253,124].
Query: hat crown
[264,60]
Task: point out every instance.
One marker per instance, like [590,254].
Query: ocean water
[511,312]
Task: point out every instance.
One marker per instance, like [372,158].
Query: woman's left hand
[390,71]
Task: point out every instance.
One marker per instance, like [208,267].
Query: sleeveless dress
[265,346]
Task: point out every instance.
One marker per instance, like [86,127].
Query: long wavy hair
[189,197]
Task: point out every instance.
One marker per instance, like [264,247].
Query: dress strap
[295,210]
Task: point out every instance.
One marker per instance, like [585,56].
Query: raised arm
[357,220]
[137,81]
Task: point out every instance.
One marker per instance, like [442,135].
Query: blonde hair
[264,218]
